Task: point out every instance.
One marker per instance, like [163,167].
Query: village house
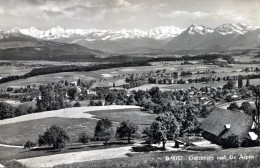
[91,92]
[221,124]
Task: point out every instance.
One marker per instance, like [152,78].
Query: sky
[128,14]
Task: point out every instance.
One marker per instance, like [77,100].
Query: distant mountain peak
[164,32]
[238,28]
[198,29]
[15,30]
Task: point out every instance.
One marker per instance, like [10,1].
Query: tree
[66,83]
[130,100]
[55,136]
[21,110]
[110,98]
[79,82]
[240,81]
[247,82]
[29,144]
[157,109]
[155,95]
[189,121]
[30,110]
[72,93]
[256,92]
[127,129]
[163,128]
[103,130]
[84,138]
[52,97]
[6,110]
[246,107]
[233,106]
[229,85]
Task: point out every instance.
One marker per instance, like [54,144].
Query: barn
[223,124]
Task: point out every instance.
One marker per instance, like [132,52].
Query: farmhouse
[221,124]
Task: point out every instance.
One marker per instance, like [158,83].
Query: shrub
[233,106]
[29,144]
[232,141]
[77,104]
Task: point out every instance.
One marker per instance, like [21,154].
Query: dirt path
[74,112]
[10,146]
[68,158]
[85,156]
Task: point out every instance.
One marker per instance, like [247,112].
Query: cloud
[106,3]
[118,14]
[179,13]
[224,14]
[128,9]
[161,5]
[53,13]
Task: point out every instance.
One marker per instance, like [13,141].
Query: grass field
[13,70]
[140,118]
[135,115]
[255,81]
[56,63]
[179,86]
[18,130]
[19,133]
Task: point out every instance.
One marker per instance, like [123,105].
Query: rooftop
[238,123]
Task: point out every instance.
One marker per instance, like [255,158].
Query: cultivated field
[13,70]
[55,63]
[179,86]
[118,75]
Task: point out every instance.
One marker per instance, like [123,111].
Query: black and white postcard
[129,83]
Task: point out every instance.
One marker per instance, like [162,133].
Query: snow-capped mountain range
[167,37]
[222,37]
[159,33]
[224,29]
